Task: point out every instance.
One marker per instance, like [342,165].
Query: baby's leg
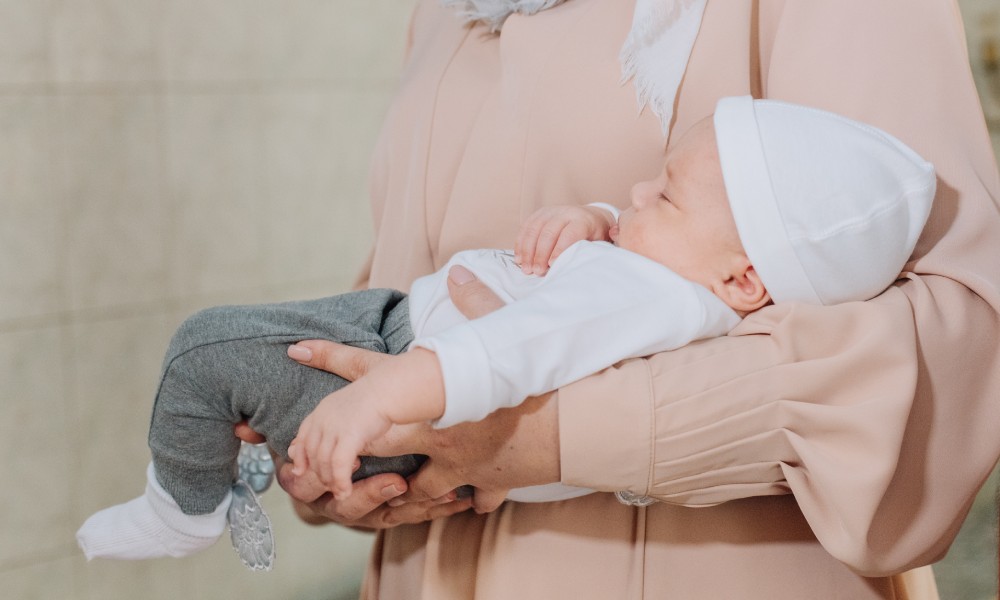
[229,364]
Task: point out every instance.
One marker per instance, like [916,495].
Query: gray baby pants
[228,364]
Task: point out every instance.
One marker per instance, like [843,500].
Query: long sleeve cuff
[465,366]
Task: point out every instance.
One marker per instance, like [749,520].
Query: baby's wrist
[612,211]
[608,215]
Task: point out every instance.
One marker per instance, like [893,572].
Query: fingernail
[449,497]
[460,275]
[300,353]
[395,502]
[391,491]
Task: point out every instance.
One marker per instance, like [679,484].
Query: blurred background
[160,156]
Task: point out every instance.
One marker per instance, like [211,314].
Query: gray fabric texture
[229,363]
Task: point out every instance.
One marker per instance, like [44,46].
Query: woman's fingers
[312,496]
[340,359]
[486,501]
[304,487]
[429,483]
[248,435]
[471,297]
[369,495]
[366,506]
[439,486]
[417,512]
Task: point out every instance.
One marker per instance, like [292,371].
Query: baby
[765,201]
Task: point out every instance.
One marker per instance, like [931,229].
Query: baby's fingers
[527,239]
[344,464]
[567,238]
[340,459]
[547,240]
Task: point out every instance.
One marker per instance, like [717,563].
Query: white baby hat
[828,209]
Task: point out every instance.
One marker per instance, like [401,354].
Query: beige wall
[157,156]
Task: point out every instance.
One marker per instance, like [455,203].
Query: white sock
[150,526]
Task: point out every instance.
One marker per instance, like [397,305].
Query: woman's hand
[365,509]
[511,448]
[514,447]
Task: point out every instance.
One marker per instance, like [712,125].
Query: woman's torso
[485,130]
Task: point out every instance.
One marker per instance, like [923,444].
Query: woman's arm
[879,416]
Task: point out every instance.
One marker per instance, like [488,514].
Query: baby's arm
[552,229]
[405,389]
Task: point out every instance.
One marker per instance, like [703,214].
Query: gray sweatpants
[228,364]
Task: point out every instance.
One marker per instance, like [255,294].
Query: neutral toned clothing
[597,305]
[811,446]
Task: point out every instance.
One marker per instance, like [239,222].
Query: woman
[825,448]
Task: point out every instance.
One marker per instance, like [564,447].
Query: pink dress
[812,453]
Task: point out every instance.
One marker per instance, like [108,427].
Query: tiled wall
[157,156]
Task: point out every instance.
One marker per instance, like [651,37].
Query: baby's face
[682,218]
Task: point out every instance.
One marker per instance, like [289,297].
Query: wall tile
[317,148]
[44,580]
[208,42]
[213,153]
[36,446]
[311,564]
[105,40]
[115,372]
[324,562]
[982,27]
[318,563]
[968,572]
[110,163]
[30,235]
[317,39]
[159,579]
[24,41]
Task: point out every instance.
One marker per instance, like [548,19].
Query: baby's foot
[150,526]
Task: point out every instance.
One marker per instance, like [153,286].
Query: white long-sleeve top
[597,305]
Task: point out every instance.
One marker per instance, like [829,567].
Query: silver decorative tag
[250,529]
[256,466]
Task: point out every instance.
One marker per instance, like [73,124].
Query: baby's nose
[641,193]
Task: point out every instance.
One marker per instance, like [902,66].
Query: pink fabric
[819,444]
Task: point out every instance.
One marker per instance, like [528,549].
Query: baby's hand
[333,435]
[552,229]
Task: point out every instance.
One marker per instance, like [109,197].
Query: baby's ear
[744,292]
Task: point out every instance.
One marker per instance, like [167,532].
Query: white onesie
[597,305]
